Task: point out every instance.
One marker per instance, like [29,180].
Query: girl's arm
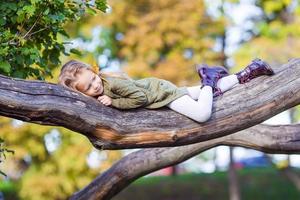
[132,96]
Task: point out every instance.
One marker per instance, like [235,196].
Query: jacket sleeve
[131,95]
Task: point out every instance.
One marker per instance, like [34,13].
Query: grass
[255,183]
[258,184]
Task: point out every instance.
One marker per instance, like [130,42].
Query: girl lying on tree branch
[194,102]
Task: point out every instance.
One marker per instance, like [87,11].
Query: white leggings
[198,104]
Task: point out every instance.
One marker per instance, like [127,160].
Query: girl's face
[89,83]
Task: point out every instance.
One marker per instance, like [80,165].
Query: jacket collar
[106,86]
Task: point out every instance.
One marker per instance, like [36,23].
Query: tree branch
[266,138]
[108,128]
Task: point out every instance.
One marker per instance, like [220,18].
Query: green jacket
[148,92]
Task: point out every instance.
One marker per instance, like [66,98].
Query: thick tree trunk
[270,139]
[287,172]
[107,128]
[292,176]
[234,188]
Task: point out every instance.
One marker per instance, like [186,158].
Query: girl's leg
[227,82]
[199,110]
[224,84]
[194,91]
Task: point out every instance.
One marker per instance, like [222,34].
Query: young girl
[194,102]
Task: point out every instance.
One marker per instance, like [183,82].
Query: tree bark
[266,138]
[292,176]
[287,172]
[234,187]
[107,128]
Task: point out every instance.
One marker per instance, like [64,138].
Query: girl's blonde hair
[70,70]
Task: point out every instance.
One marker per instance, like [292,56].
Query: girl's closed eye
[89,83]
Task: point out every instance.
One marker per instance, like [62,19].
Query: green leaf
[34,1]
[13,6]
[5,66]
[19,74]
[29,10]
[64,33]
[75,51]
[46,12]
[101,5]
[2,21]
[91,11]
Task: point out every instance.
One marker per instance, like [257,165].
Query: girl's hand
[106,100]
